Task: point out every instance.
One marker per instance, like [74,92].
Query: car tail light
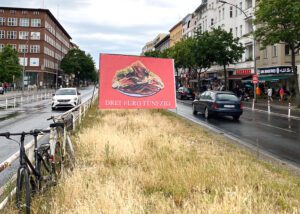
[241,105]
[215,106]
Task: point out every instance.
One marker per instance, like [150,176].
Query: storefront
[239,78]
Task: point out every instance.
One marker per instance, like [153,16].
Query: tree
[80,64]
[9,64]
[154,53]
[224,49]
[279,21]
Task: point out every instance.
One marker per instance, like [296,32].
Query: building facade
[163,44]
[150,46]
[40,40]
[175,33]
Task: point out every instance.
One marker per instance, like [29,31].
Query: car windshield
[66,92]
[227,97]
[188,90]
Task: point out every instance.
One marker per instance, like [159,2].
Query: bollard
[6,103]
[21,100]
[269,107]
[14,102]
[33,97]
[253,104]
[289,112]
[27,99]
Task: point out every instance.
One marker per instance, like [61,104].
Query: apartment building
[150,46]
[40,40]
[163,44]
[175,33]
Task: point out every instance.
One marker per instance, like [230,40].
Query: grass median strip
[150,161]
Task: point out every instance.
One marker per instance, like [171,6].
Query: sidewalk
[276,106]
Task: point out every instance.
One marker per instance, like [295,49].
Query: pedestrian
[281,93]
[258,91]
[270,92]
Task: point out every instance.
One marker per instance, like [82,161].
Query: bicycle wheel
[57,161]
[23,192]
[69,157]
[44,166]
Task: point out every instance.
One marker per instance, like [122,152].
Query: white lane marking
[276,127]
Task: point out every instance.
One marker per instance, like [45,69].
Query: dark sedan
[218,103]
[185,93]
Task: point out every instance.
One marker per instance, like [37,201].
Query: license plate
[229,106]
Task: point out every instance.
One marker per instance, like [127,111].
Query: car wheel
[53,108]
[206,113]
[194,109]
[180,97]
[236,118]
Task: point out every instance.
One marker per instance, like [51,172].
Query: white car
[66,97]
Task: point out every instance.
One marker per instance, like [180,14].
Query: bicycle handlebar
[32,132]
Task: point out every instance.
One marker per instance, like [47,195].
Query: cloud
[114,26]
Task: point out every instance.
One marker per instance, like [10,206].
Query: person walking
[281,93]
[258,91]
[270,92]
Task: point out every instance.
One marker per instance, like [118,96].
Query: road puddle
[9,116]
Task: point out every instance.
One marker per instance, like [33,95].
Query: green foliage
[279,21]
[80,64]
[9,64]
[154,53]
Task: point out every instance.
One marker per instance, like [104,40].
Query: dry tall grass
[142,161]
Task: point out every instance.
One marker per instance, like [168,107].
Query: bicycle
[31,177]
[61,148]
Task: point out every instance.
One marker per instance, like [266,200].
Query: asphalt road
[28,117]
[272,134]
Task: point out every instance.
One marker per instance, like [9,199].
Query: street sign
[255,79]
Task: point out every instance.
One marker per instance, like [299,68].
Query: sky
[113,26]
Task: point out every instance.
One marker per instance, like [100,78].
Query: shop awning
[274,77]
[239,77]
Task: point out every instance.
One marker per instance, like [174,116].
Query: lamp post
[254,41]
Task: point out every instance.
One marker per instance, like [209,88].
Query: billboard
[135,82]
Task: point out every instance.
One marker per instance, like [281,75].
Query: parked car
[185,93]
[218,103]
[66,97]
[1,90]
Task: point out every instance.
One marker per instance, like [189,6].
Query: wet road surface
[273,134]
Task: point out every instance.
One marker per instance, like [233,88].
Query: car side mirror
[78,93]
[53,95]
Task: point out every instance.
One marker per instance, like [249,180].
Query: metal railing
[18,100]
[76,114]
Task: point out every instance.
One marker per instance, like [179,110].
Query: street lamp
[254,42]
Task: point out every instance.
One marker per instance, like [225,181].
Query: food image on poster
[137,81]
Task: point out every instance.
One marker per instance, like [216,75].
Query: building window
[2,34]
[23,48]
[12,11]
[11,35]
[34,48]
[14,46]
[36,12]
[24,11]
[236,31]
[223,13]
[23,34]
[35,22]
[24,22]
[35,35]
[1,11]
[1,47]
[219,15]
[230,30]
[2,21]
[188,26]
[274,51]
[12,21]
[287,50]
[265,53]
[231,12]
[241,30]
[241,7]
[212,22]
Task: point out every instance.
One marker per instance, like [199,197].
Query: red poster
[135,82]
